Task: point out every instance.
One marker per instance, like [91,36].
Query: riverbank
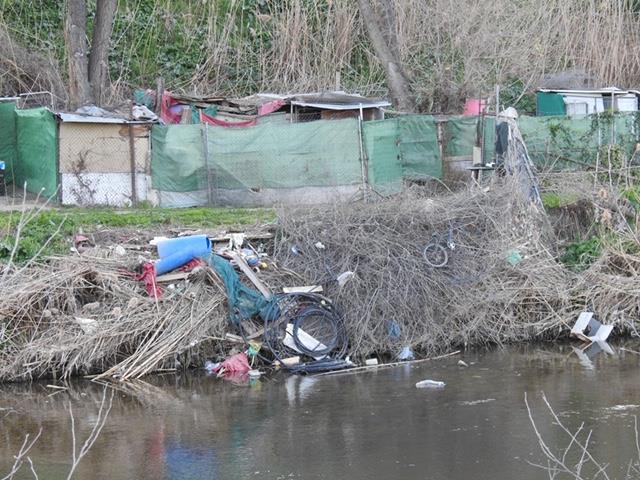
[515,274]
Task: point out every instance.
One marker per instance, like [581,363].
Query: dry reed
[85,315]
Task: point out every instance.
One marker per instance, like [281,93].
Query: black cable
[295,308]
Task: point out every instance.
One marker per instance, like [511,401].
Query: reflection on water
[373,425]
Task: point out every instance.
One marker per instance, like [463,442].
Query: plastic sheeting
[37,151]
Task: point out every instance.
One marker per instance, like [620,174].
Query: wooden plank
[288,362]
[251,275]
[247,236]
[303,289]
[172,277]
[233,338]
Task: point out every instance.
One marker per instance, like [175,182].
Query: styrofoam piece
[589,329]
[305,339]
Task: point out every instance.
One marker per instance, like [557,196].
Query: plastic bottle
[430,384]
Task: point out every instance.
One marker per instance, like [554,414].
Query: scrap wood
[387,365]
[246,269]
[247,236]
[287,362]
[173,277]
[303,289]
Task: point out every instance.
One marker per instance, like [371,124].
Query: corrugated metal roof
[77,118]
[327,100]
[342,106]
[589,91]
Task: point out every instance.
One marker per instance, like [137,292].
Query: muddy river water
[372,425]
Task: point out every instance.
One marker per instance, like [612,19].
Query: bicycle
[435,253]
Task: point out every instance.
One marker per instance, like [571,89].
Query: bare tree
[76,38]
[381,31]
[88,71]
[99,58]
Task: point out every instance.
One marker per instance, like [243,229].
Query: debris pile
[409,276]
[87,314]
[500,281]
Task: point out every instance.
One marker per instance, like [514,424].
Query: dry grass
[503,283]
[450,49]
[480,296]
[24,70]
[84,315]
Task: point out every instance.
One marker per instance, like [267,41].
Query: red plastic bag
[238,363]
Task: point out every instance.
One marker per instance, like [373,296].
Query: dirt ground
[15,199]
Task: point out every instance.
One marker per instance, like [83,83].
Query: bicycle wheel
[435,255]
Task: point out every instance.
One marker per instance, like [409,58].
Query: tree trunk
[99,58]
[76,39]
[388,55]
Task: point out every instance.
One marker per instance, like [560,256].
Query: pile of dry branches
[502,281]
[86,314]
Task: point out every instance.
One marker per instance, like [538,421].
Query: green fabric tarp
[462,133]
[311,154]
[8,152]
[177,160]
[381,143]
[419,149]
[549,103]
[324,154]
[399,148]
[36,162]
[575,142]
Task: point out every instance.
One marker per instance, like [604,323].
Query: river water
[371,425]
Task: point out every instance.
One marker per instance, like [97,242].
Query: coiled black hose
[295,308]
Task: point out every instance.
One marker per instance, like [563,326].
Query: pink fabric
[167,113]
[148,276]
[171,113]
[238,363]
[474,106]
[270,107]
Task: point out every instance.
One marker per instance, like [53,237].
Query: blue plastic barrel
[179,258]
[197,243]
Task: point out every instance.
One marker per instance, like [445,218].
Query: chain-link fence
[103,163]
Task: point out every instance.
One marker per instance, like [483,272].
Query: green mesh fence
[419,148]
[577,142]
[37,151]
[8,152]
[381,141]
[280,156]
[210,162]
[177,162]
[311,154]
[461,134]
